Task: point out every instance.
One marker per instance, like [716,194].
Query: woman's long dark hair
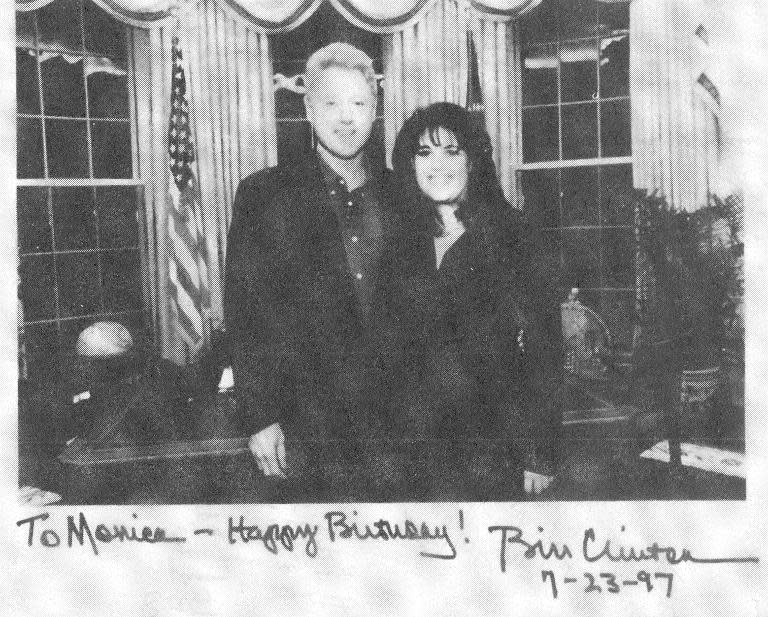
[485,200]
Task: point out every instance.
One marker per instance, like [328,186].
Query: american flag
[187,267]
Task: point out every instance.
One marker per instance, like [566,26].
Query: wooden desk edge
[80,453]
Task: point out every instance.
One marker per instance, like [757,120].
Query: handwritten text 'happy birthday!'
[436,540]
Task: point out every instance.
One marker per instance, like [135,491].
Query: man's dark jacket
[298,341]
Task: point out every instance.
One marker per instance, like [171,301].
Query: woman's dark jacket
[489,304]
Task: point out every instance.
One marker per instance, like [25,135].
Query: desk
[203,459]
[116,463]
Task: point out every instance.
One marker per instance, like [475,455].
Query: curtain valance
[139,13]
[274,16]
[502,10]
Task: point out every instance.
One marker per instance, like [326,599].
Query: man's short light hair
[339,55]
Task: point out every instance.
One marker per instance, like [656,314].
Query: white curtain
[707,146]
[229,77]
[670,147]
[497,43]
[425,63]
[428,62]
[497,46]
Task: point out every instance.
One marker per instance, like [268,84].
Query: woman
[476,357]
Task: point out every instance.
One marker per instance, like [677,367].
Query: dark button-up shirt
[360,221]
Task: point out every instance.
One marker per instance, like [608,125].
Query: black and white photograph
[302,254]
[317,256]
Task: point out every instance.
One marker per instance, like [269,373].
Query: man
[304,275]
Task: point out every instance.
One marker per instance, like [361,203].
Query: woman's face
[442,168]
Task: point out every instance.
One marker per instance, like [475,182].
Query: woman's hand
[536,483]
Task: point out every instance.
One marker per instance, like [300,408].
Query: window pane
[617,195]
[580,131]
[549,253]
[326,26]
[122,280]
[27,89]
[63,87]
[541,197]
[540,136]
[578,70]
[541,23]
[41,343]
[293,140]
[580,204]
[67,148]
[616,127]
[37,287]
[74,219]
[111,150]
[29,148]
[138,325]
[614,16]
[288,104]
[577,18]
[540,75]
[107,95]
[619,257]
[287,62]
[59,24]
[25,30]
[78,284]
[32,213]
[103,34]
[614,66]
[116,208]
[581,258]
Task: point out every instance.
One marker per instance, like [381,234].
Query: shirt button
[355,238]
[359,276]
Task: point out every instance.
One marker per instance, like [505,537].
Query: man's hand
[535,483]
[268,447]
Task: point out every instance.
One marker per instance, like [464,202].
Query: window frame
[605,292]
[49,184]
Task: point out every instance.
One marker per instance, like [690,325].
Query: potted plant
[690,272]
[691,262]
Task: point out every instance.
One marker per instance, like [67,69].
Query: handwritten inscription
[594,550]
[431,539]
[609,582]
[81,530]
[274,535]
[339,526]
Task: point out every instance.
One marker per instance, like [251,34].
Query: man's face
[341,110]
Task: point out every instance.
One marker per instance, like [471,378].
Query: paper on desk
[702,457]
